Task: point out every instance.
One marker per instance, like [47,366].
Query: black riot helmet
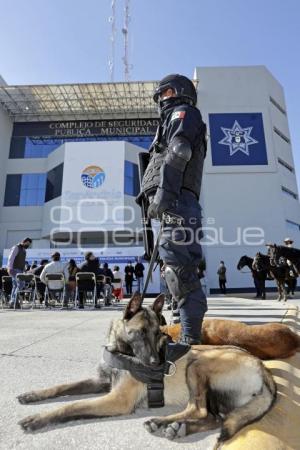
[182,86]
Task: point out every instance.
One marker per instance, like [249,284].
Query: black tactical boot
[190,340]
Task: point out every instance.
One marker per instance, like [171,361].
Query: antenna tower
[112,20]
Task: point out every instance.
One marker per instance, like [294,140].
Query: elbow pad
[179,153]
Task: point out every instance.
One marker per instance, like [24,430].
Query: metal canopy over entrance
[79,101]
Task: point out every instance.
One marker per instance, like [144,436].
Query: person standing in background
[293,273]
[15,265]
[222,277]
[129,272]
[139,275]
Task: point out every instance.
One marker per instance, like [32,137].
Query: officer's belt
[152,376]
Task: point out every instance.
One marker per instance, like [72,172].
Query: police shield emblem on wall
[237,139]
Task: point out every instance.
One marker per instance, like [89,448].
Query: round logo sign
[93,177]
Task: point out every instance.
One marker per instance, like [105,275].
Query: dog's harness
[152,376]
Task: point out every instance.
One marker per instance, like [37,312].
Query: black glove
[162,202]
[152,212]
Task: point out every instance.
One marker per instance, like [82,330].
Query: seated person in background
[56,266]
[33,266]
[118,283]
[39,269]
[3,273]
[71,286]
[108,272]
[91,264]
[39,284]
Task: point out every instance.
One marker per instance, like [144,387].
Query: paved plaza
[40,348]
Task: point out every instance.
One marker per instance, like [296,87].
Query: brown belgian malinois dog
[266,341]
[217,386]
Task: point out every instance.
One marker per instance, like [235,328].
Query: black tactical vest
[192,176]
[151,177]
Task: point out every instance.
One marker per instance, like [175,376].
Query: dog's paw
[32,423]
[175,430]
[152,425]
[28,397]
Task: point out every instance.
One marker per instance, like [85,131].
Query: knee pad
[181,280]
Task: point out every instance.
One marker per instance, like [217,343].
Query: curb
[279,429]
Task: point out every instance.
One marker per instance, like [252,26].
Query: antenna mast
[125,34]
[112,20]
[125,30]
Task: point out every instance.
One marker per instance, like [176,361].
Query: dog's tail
[254,410]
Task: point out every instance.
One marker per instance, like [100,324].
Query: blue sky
[62,41]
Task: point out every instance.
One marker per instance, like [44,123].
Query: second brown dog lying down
[267,341]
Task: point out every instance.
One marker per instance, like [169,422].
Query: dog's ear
[133,306]
[158,304]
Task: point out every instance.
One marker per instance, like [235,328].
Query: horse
[280,273]
[259,277]
[276,252]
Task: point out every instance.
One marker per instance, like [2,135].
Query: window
[36,148]
[25,189]
[286,165]
[25,147]
[17,146]
[289,193]
[131,179]
[12,190]
[286,139]
[33,189]
[293,226]
[54,183]
[277,105]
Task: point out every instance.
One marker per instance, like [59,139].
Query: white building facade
[249,192]
[69,173]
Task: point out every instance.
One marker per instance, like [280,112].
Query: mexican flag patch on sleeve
[178,115]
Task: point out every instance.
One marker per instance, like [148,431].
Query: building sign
[86,128]
[93,185]
[237,139]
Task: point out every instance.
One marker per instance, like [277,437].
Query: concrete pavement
[42,348]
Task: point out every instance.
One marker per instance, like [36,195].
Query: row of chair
[56,292]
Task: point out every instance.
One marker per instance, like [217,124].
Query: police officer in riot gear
[171,184]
